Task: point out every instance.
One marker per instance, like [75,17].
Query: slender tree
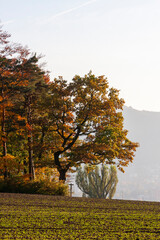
[97,184]
[9,53]
[33,78]
[21,82]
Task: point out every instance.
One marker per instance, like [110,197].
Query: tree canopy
[57,123]
[87,124]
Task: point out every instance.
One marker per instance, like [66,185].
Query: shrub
[18,185]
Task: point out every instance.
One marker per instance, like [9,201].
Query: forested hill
[141,179]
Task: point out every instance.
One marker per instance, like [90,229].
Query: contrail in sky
[68,11]
[6,22]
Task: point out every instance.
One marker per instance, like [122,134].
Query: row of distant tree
[56,123]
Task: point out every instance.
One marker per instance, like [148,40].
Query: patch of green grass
[25,216]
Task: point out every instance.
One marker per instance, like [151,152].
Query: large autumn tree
[86,124]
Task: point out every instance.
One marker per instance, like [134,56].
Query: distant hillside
[142,178]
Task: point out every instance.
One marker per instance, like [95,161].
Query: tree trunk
[30,152]
[25,165]
[41,146]
[4,142]
[62,176]
[30,141]
[62,171]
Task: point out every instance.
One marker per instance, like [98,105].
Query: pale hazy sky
[116,38]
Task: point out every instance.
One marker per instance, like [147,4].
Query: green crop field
[25,216]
